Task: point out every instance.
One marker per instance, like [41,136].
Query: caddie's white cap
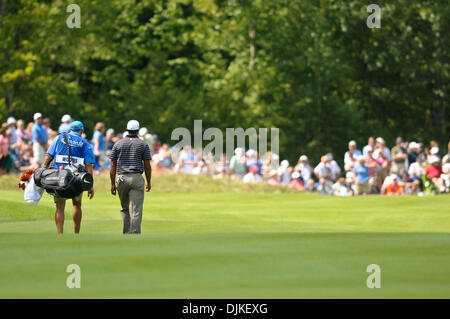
[36,116]
[66,118]
[133,125]
[11,120]
[143,131]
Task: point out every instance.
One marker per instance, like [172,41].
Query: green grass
[250,242]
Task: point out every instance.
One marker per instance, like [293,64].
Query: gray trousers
[131,189]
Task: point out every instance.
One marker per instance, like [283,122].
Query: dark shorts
[57,198]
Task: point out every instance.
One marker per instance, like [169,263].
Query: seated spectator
[446,176]
[350,157]
[409,185]
[304,168]
[323,171]
[186,162]
[296,182]
[284,172]
[370,162]
[324,187]
[201,168]
[446,158]
[341,188]
[273,178]
[361,174]
[394,188]
[416,170]
[252,176]
[373,187]
[399,157]
[311,186]
[166,156]
[434,172]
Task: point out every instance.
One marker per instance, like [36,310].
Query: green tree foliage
[310,67]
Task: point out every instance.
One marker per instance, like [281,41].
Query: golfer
[81,154]
[130,157]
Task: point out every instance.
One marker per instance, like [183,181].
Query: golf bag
[66,183]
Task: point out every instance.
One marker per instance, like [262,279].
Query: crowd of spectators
[407,168]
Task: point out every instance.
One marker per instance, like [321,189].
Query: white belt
[64,159]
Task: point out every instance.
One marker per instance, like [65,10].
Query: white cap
[133,125]
[380,140]
[66,118]
[369,148]
[295,175]
[303,158]
[143,131]
[109,131]
[433,159]
[413,145]
[239,151]
[36,116]
[434,150]
[11,120]
[352,143]
[250,153]
[285,163]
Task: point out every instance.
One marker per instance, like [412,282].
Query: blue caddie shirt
[39,131]
[80,150]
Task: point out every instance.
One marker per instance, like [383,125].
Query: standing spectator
[350,157]
[98,142]
[110,140]
[22,135]
[370,145]
[334,166]
[12,129]
[4,144]
[65,124]
[130,157]
[399,157]
[361,173]
[324,174]
[413,152]
[40,139]
[237,163]
[380,145]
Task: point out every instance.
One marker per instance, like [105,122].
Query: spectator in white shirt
[351,156]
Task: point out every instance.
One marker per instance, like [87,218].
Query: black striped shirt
[130,154]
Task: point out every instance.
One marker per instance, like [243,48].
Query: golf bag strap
[68,148]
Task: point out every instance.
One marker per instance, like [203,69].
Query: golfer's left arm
[148,175]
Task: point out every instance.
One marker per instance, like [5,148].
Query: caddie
[130,157]
[81,154]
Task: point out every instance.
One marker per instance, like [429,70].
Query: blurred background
[309,67]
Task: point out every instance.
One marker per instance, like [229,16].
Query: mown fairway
[230,245]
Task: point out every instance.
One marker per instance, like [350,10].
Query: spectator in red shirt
[434,171]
